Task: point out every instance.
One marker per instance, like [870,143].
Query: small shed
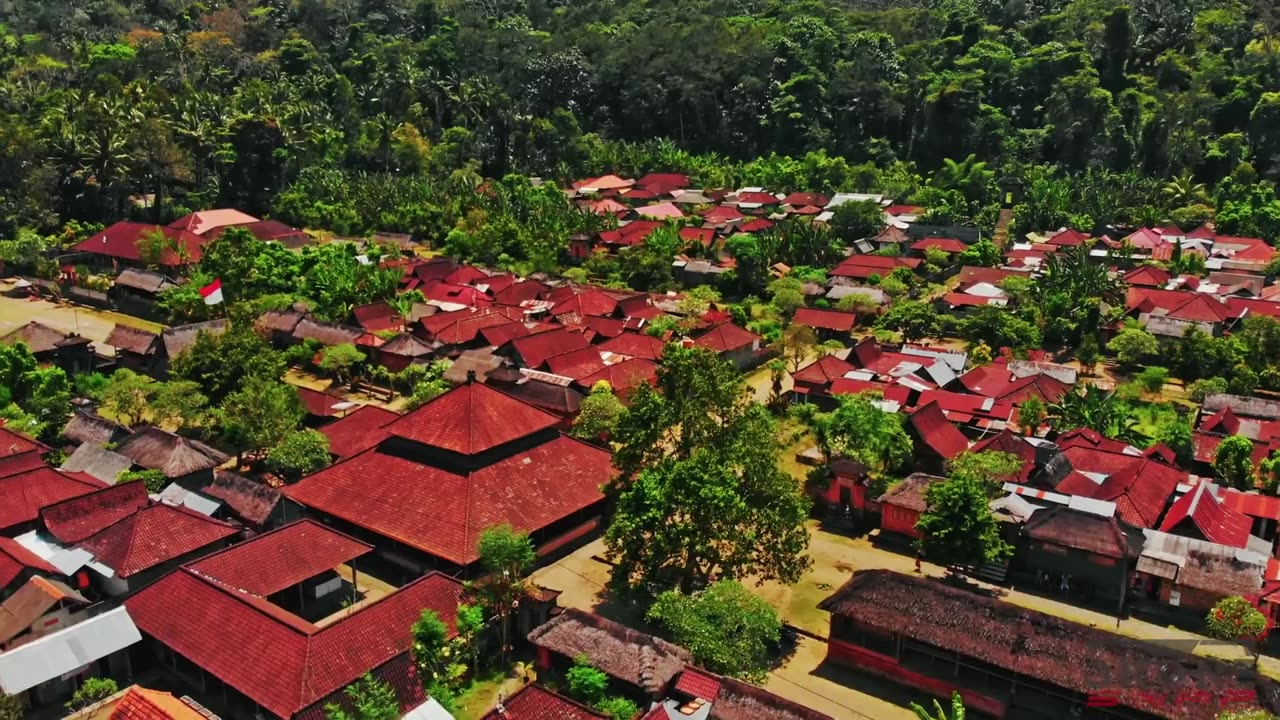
[904,503]
[136,349]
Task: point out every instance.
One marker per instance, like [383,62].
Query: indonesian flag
[212,293]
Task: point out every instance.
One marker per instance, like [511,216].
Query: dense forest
[362,115]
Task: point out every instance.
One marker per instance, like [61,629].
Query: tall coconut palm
[1183,190]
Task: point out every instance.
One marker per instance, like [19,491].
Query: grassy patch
[1152,416]
[478,698]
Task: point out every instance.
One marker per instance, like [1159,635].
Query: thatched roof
[178,339]
[134,340]
[175,456]
[252,502]
[284,321]
[326,333]
[408,346]
[37,337]
[143,280]
[96,462]
[88,428]
[740,701]
[645,661]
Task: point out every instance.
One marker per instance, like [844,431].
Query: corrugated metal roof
[54,655]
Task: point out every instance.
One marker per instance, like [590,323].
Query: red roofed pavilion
[470,459]
[263,653]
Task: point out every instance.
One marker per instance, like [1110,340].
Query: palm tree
[957,709]
[1071,272]
[1089,407]
[969,176]
[1184,190]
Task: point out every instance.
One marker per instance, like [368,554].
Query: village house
[40,606]
[178,339]
[902,505]
[135,291]
[180,459]
[738,346]
[1082,542]
[639,666]
[18,565]
[43,672]
[27,491]
[69,351]
[1006,660]
[121,245]
[535,702]
[97,462]
[308,622]
[136,349]
[127,540]
[470,459]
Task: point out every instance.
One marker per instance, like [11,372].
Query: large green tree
[728,629]
[701,495]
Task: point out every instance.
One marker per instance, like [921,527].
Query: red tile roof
[296,666]
[459,294]
[521,292]
[499,335]
[21,463]
[936,433]
[799,199]
[848,386]
[1007,441]
[461,326]
[73,520]
[587,302]
[576,363]
[755,225]
[443,513]
[23,494]
[864,266]
[671,180]
[143,704]
[1068,237]
[635,345]
[1139,492]
[15,559]
[947,245]
[722,214]
[376,316]
[633,233]
[1200,510]
[604,327]
[824,319]
[281,558]
[471,419]
[963,408]
[823,370]
[535,349]
[702,236]
[154,535]
[121,241]
[726,337]
[696,683]
[358,431]
[1147,275]
[466,275]
[755,198]
[624,376]
[13,444]
[534,702]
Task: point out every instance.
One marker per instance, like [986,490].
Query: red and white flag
[212,293]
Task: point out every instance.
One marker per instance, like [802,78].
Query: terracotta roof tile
[143,704]
[121,241]
[73,520]
[13,444]
[1140,492]
[443,513]
[281,558]
[823,370]
[471,419]
[636,345]
[23,494]
[534,702]
[297,667]
[623,376]
[462,326]
[825,319]
[154,535]
[358,431]
[726,337]
[534,349]
[16,559]
[576,363]
[698,684]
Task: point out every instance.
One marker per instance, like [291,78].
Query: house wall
[845,490]
[1107,575]
[899,520]
[1190,599]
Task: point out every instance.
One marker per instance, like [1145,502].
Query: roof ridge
[239,596]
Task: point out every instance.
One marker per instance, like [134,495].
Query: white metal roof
[62,652]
